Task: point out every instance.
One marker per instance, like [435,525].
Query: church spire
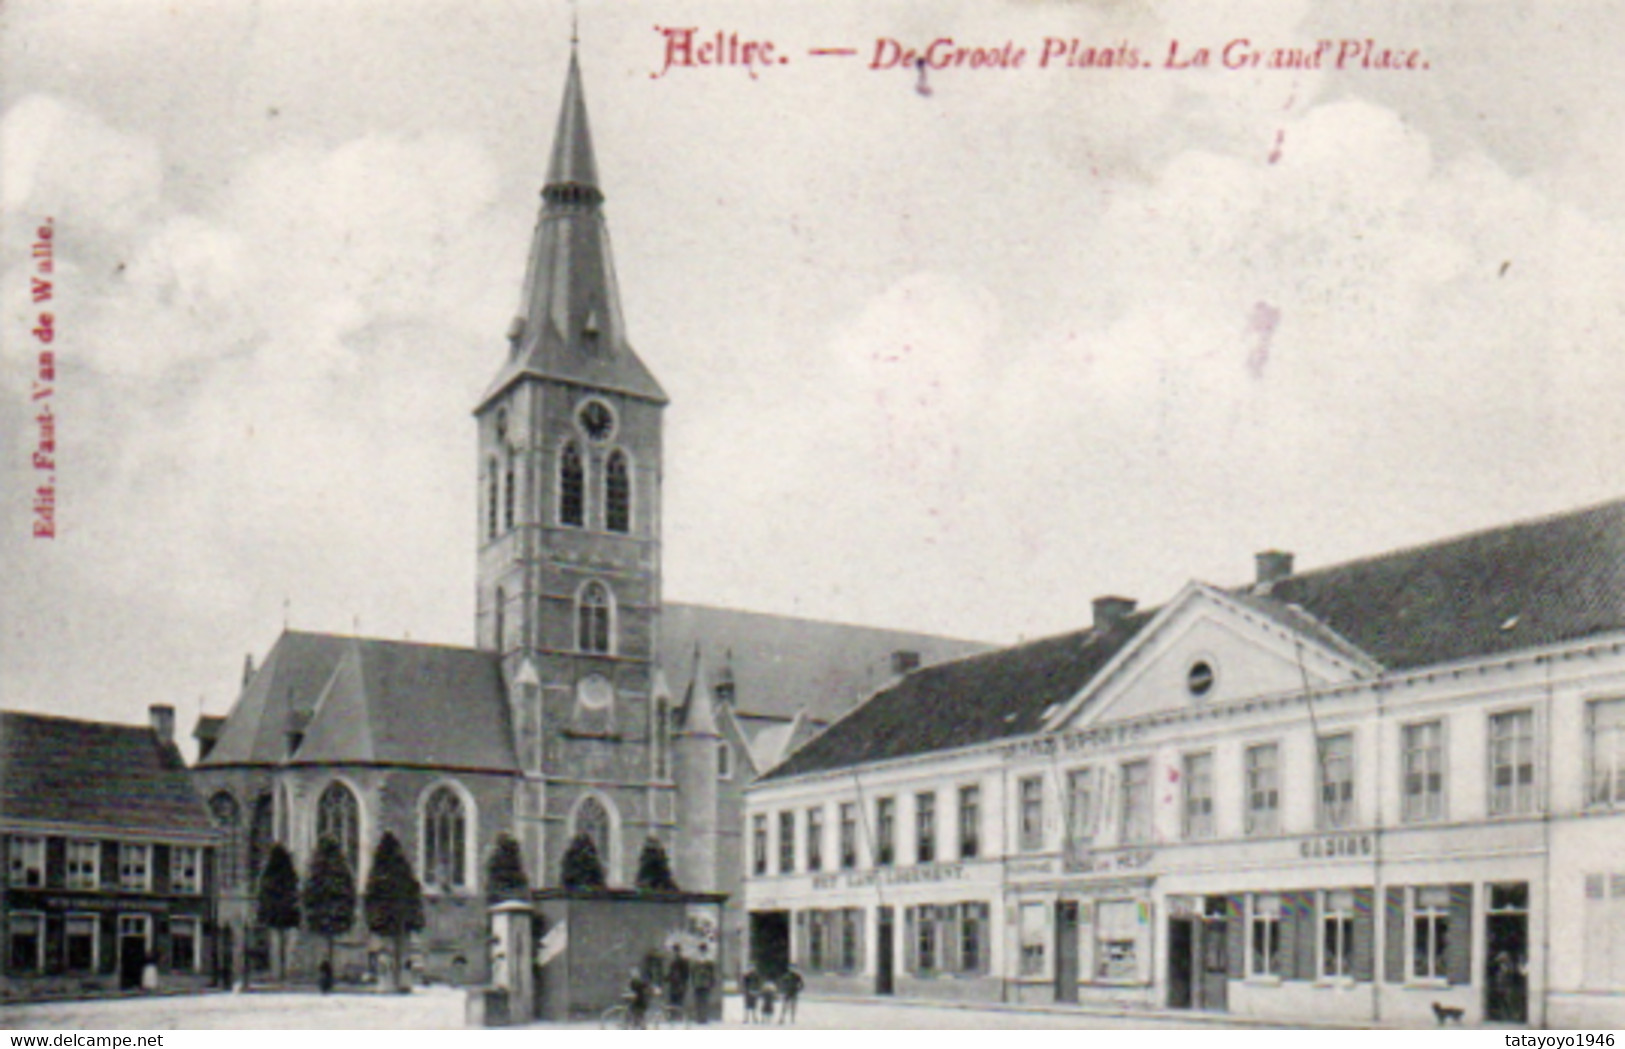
[573,166]
[569,327]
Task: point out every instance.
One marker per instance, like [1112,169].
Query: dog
[1445,1013]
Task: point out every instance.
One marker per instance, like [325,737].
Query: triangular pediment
[1211,647]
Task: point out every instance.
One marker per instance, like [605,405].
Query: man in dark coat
[705,980]
[677,979]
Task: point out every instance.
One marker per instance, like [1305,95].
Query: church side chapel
[560,723]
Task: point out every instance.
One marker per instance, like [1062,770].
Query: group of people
[762,994]
[678,978]
[675,979]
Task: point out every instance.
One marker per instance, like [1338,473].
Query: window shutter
[1364,935]
[1458,950]
[107,933]
[948,938]
[911,943]
[1303,946]
[1235,935]
[1393,947]
[160,870]
[56,861]
[1292,912]
[55,932]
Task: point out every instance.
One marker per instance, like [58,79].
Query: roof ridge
[848,624]
[1440,543]
[95,722]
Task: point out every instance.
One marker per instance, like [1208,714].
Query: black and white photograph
[1013,514]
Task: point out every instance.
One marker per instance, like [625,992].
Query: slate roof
[782,665]
[95,776]
[571,328]
[1533,583]
[1527,584]
[978,699]
[370,701]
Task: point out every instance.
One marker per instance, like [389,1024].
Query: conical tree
[505,877]
[277,907]
[329,895]
[582,869]
[394,899]
[654,868]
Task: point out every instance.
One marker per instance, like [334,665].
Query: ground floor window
[947,938]
[183,945]
[80,936]
[1034,928]
[1337,933]
[1264,935]
[830,940]
[1430,931]
[1122,950]
[27,943]
[1605,931]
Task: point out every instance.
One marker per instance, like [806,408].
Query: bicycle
[619,1018]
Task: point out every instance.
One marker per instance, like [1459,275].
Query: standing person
[677,980]
[769,993]
[637,999]
[790,985]
[751,985]
[705,978]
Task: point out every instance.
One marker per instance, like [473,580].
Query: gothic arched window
[491,498]
[508,495]
[338,816]
[593,821]
[617,493]
[227,817]
[572,487]
[445,840]
[593,613]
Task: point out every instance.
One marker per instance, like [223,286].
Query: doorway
[1181,962]
[1214,989]
[1066,951]
[885,952]
[134,944]
[1506,954]
[770,942]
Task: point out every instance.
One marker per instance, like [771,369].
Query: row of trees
[393,901]
[326,903]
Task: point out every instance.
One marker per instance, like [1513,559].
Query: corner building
[1346,795]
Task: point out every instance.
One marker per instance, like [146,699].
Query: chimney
[162,718]
[1112,610]
[904,660]
[1273,566]
[248,669]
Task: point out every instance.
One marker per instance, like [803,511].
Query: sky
[952,351]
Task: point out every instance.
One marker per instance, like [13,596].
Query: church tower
[569,537]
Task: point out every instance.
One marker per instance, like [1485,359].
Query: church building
[563,719]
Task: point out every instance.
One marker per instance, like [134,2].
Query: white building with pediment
[1349,795]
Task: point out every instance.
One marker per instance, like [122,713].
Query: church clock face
[596,420]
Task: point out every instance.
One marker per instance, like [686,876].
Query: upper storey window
[617,493]
[572,487]
[593,614]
